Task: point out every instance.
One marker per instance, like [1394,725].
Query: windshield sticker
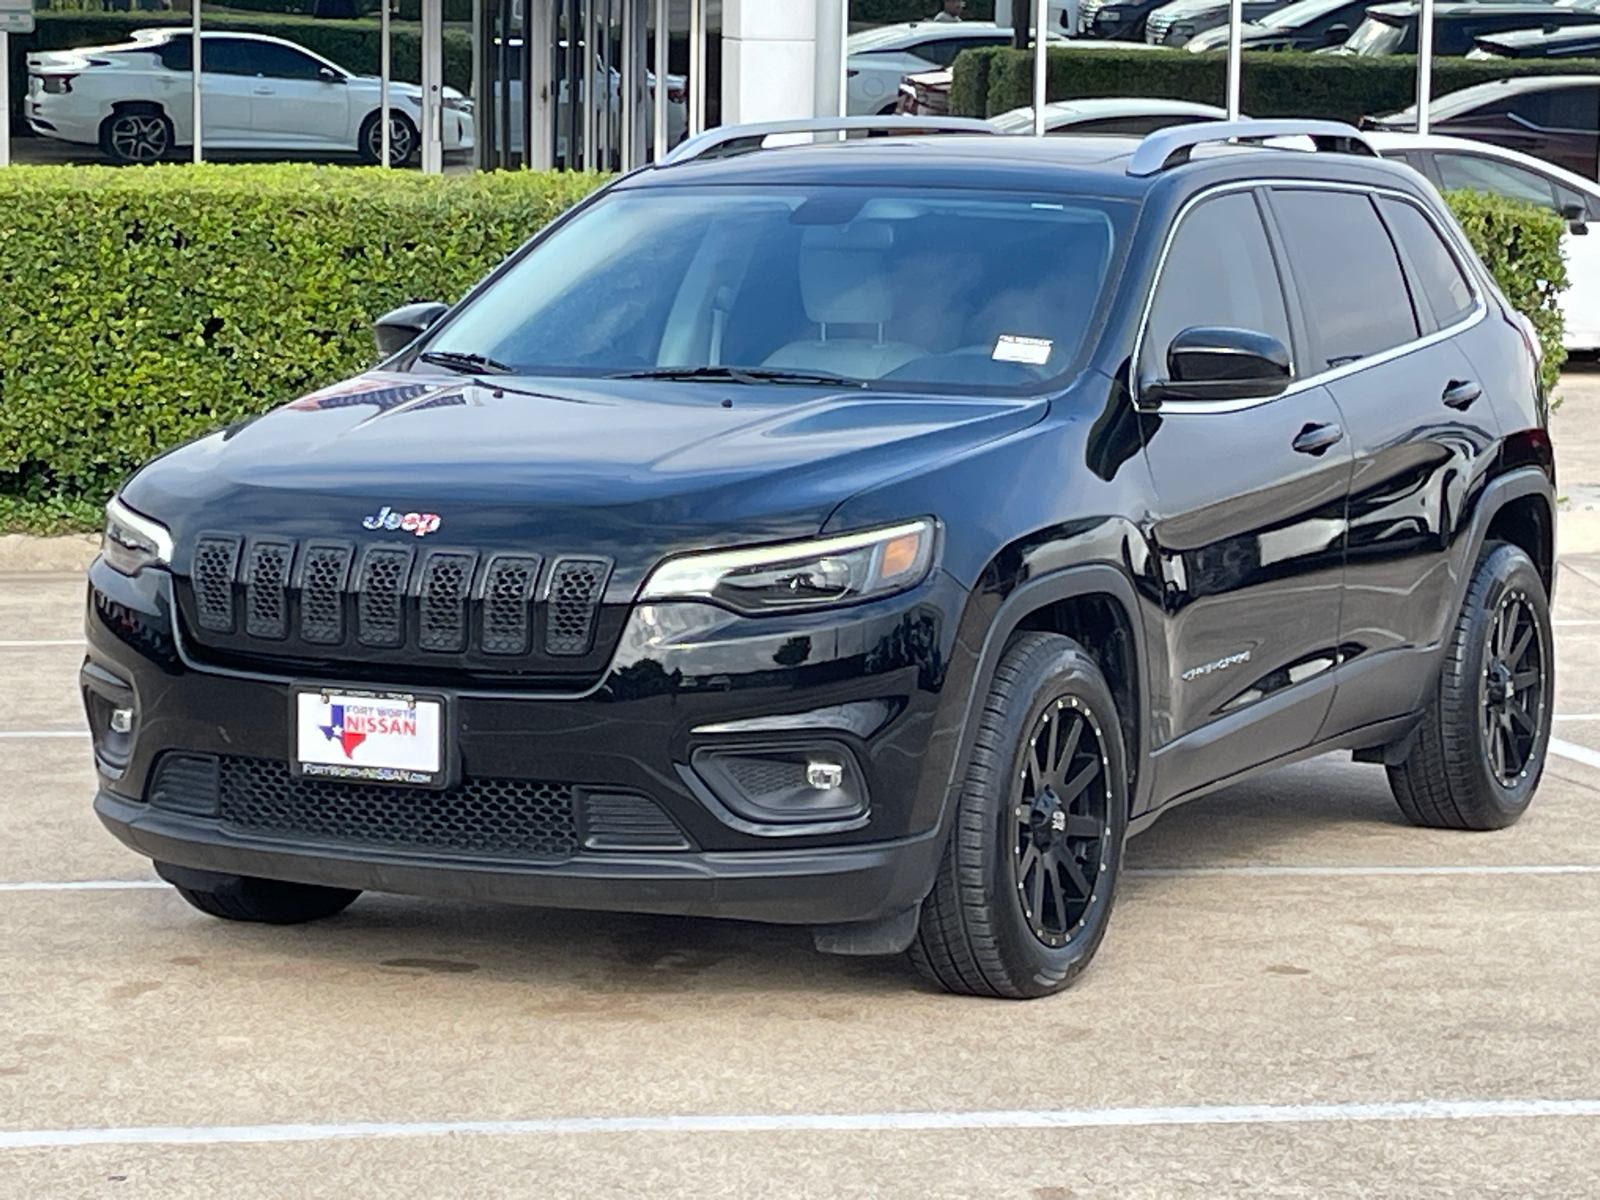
[1031,350]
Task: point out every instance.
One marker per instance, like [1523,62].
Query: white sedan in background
[877,59]
[1451,163]
[1130,116]
[257,93]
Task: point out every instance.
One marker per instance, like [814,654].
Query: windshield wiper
[465,364]
[753,375]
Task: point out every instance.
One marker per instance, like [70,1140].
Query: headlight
[458,103]
[132,542]
[801,575]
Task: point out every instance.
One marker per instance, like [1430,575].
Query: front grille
[1155,29]
[506,818]
[576,585]
[215,561]
[441,607]
[266,581]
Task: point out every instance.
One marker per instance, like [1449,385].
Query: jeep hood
[629,468]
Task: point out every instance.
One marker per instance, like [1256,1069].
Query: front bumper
[695,684]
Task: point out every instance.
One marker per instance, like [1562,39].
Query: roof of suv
[1101,162]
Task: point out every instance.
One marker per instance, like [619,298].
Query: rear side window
[1560,108]
[1434,268]
[1483,174]
[1347,274]
[1219,271]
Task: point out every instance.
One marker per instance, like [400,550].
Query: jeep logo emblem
[420,524]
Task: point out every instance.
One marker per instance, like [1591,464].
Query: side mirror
[1207,363]
[1337,35]
[1576,218]
[396,330]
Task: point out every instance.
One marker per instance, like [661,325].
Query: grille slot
[442,598]
[624,821]
[216,559]
[507,588]
[380,607]
[516,818]
[576,585]
[186,783]
[322,578]
[266,614]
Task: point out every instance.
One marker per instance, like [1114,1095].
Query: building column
[769,55]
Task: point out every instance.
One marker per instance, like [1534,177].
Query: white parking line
[1372,869]
[1061,1118]
[1558,716]
[15,734]
[1577,753]
[22,643]
[82,885]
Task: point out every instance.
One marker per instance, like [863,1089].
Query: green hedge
[352,44]
[1286,84]
[145,306]
[1520,243]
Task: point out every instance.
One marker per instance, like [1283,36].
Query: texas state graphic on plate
[383,738]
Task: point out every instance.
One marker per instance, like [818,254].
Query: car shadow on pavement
[1310,813]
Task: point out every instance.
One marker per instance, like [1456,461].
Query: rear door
[1249,527]
[1385,301]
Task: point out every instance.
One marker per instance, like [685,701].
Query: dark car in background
[1392,28]
[1120,20]
[1175,22]
[1304,25]
[1576,41]
[1553,117]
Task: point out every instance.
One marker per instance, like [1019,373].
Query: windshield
[1373,36]
[922,290]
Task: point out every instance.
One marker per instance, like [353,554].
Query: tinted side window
[227,56]
[1219,271]
[1560,108]
[1434,268]
[1483,174]
[282,62]
[1347,274]
[1133,126]
[178,54]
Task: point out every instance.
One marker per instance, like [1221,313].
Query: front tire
[1024,892]
[403,139]
[132,136]
[1478,754]
[261,901]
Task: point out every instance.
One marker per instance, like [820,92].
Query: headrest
[842,273]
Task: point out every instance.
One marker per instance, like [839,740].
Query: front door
[293,104]
[1249,532]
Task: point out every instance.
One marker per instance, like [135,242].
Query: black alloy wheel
[1024,893]
[1062,823]
[136,137]
[1476,755]
[1512,692]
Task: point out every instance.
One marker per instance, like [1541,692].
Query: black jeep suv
[866,534]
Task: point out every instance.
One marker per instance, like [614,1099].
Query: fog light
[776,784]
[824,776]
[121,720]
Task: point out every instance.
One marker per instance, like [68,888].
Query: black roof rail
[1171,147]
[729,140]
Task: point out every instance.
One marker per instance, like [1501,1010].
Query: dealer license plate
[371,737]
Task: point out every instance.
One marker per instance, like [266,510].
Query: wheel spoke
[1080,826]
[1519,715]
[1076,875]
[1034,769]
[1071,747]
[1059,900]
[1030,856]
[1520,647]
[1036,893]
[1526,679]
[1053,720]
[1074,786]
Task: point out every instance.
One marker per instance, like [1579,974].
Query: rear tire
[136,134]
[403,140]
[1478,754]
[1024,891]
[262,901]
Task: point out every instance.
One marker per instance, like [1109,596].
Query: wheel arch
[1097,606]
[1517,507]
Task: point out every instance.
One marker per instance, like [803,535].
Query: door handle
[1315,439]
[1460,393]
